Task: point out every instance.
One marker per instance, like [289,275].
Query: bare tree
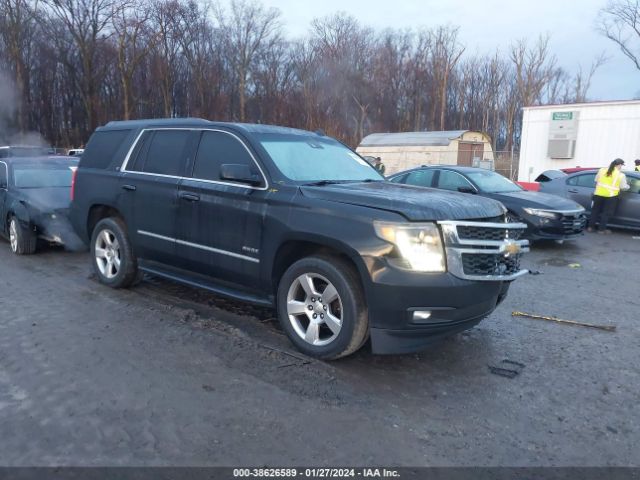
[445,53]
[17,26]
[165,18]
[248,29]
[345,52]
[87,22]
[619,21]
[78,63]
[304,58]
[582,79]
[201,46]
[421,80]
[134,40]
[533,67]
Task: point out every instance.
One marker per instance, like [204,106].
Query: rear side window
[421,178]
[216,149]
[166,152]
[3,175]
[587,180]
[102,148]
[136,160]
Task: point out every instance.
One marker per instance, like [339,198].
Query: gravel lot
[167,375]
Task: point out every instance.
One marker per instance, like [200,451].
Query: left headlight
[541,213]
[419,244]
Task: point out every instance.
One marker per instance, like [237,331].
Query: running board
[207,285]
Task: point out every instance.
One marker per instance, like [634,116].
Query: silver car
[579,187]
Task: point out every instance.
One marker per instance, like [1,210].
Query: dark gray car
[548,217]
[580,186]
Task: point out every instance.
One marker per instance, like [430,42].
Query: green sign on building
[562,116]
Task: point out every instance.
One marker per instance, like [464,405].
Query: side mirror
[467,190]
[240,173]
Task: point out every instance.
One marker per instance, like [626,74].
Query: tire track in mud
[251,341]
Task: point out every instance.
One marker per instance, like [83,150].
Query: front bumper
[410,310]
[386,341]
[455,305]
[569,225]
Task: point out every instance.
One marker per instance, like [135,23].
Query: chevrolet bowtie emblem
[511,248]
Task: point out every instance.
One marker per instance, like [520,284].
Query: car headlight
[419,244]
[541,213]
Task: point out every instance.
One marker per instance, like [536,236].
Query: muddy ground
[167,375]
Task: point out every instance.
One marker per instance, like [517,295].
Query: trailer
[558,137]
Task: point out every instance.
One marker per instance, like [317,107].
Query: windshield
[492,182]
[41,177]
[307,158]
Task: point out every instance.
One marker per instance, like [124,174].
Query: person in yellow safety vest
[637,169]
[609,182]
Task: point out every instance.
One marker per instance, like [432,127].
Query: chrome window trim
[197,245]
[6,169]
[125,163]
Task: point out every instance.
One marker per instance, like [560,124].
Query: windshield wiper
[320,183]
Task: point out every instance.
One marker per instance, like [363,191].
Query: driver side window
[421,178]
[634,184]
[450,180]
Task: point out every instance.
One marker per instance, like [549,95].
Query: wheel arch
[294,249]
[98,212]
[18,210]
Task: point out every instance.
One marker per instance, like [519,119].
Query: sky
[489,24]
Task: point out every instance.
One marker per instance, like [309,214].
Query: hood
[531,199]
[417,204]
[44,200]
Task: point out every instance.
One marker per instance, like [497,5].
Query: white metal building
[401,151]
[578,135]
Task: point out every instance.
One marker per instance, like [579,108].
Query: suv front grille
[490,264]
[472,232]
[484,250]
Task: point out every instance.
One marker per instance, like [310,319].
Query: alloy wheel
[13,235]
[314,309]
[107,253]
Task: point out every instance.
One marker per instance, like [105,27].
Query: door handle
[129,188]
[189,197]
[572,190]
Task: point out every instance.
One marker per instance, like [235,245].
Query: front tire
[22,240]
[321,307]
[112,254]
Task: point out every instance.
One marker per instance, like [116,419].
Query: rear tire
[112,254]
[321,307]
[23,241]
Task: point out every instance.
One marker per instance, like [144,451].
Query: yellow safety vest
[608,186]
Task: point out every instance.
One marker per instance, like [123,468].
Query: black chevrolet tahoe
[295,220]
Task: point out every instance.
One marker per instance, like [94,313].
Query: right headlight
[419,244]
[541,213]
